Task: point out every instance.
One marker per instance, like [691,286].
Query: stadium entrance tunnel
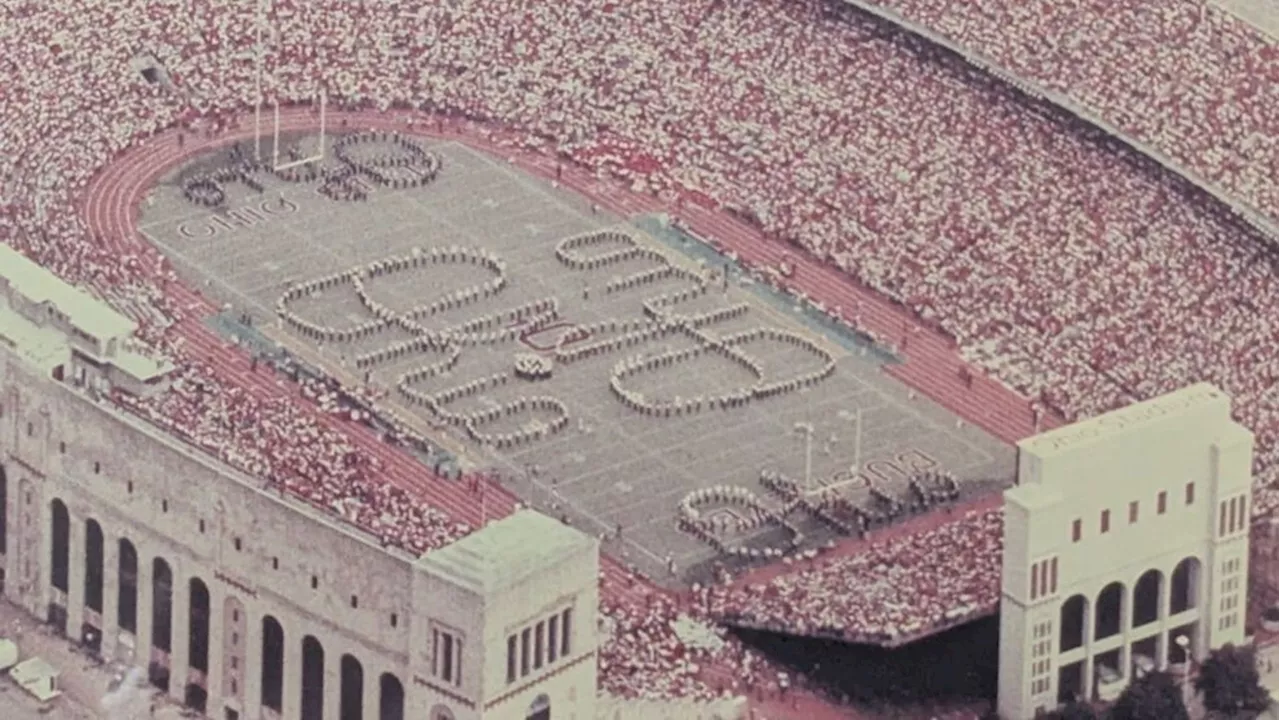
[955,666]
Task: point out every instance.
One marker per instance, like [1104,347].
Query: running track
[110,206]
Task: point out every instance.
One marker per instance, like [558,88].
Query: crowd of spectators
[1183,77]
[888,593]
[1071,270]
[647,658]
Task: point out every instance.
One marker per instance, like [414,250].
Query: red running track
[932,362]
[110,206]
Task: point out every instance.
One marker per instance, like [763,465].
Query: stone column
[252,691]
[217,622]
[1162,620]
[75,576]
[145,607]
[110,594]
[43,559]
[292,700]
[1090,625]
[372,697]
[332,679]
[180,634]
[1200,576]
[1126,632]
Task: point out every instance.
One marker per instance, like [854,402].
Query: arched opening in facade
[539,709]
[312,679]
[1185,585]
[161,619]
[60,562]
[199,629]
[440,712]
[1146,598]
[1108,611]
[1072,622]
[127,593]
[272,664]
[91,628]
[390,698]
[351,695]
[93,570]
[161,605]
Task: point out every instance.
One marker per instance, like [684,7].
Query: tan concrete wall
[178,504]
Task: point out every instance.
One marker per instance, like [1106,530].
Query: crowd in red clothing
[891,591]
[1183,77]
[1064,266]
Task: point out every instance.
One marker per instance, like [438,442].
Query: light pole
[1184,642]
[807,429]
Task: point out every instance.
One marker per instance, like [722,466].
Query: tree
[1230,683]
[1074,711]
[1155,696]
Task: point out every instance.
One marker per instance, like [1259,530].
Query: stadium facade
[1126,549]
[245,603]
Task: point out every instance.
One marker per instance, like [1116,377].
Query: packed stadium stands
[1185,78]
[882,595]
[1076,273]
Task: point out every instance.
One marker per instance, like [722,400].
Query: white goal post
[275,144]
[259,53]
[855,469]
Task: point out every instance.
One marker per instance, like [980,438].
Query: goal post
[855,469]
[259,61]
[275,145]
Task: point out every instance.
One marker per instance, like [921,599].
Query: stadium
[762,297]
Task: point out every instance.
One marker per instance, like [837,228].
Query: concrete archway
[351,689]
[1184,586]
[1109,611]
[390,698]
[1073,621]
[1146,598]
[198,647]
[312,679]
[60,546]
[127,593]
[161,618]
[93,570]
[91,627]
[161,605]
[59,563]
[272,664]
